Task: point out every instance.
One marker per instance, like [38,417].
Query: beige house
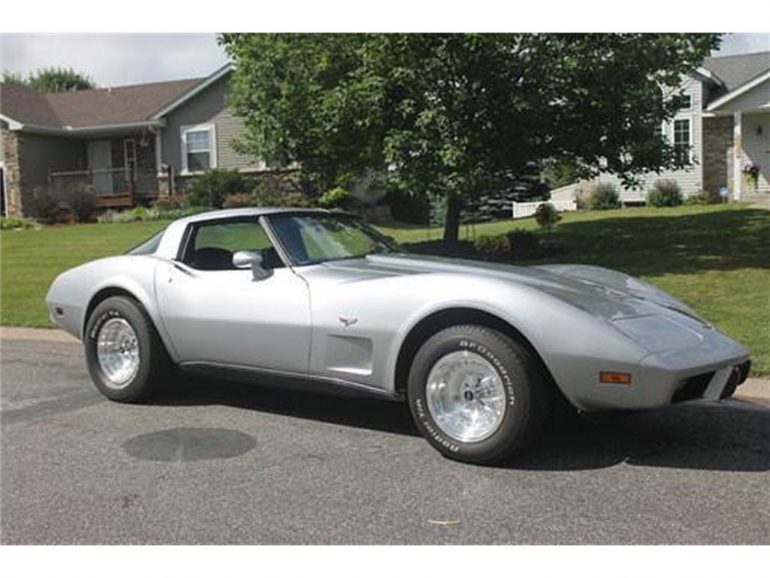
[723,124]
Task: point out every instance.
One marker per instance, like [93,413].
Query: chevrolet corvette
[479,350]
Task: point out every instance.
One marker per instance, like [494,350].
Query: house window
[682,140]
[198,148]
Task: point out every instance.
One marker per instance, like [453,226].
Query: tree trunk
[452,220]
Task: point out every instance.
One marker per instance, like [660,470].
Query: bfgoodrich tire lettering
[153,362]
[523,385]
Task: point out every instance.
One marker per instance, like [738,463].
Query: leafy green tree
[52,79]
[455,115]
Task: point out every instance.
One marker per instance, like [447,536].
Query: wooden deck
[115,202]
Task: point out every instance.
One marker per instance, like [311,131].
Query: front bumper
[710,370]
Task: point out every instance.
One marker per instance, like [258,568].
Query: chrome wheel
[117,350]
[465,396]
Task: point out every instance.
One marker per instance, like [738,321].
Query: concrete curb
[753,389]
[32,334]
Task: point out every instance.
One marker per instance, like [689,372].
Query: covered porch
[751,146]
[740,122]
[121,170]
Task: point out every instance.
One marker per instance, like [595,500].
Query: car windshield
[311,239]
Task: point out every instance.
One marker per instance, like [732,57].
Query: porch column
[737,156]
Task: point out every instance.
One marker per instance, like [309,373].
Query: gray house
[723,124]
[130,143]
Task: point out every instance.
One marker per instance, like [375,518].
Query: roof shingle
[25,105]
[739,69]
[90,108]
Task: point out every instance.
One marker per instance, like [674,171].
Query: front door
[216,313]
[100,163]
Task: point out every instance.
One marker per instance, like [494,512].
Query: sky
[118,59]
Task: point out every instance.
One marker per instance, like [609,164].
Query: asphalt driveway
[215,462]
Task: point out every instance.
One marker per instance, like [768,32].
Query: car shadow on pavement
[726,436]
[343,408]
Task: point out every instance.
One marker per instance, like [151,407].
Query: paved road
[211,462]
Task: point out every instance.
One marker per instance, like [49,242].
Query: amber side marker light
[615,377]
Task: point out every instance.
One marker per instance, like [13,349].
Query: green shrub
[15,223]
[45,205]
[507,245]
[271,197]
[581,201]
[547,216]
[603,196]
[112,216]
[145,214]
[166,204]
[665,193]
[521,241]
[337,198]
[51,205]
[237,200]
[81,200]
[704,198]
[211,188]
[494,246]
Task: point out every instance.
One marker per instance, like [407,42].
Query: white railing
[528,209]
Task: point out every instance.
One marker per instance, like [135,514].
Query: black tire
[525,386]
[154,362]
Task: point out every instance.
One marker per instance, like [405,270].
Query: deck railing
[106,182]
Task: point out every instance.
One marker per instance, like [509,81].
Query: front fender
[571,342]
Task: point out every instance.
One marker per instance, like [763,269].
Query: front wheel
[476,394]
[125,356]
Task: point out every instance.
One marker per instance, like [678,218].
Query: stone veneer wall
[12,151]
[717,148]
[284,181]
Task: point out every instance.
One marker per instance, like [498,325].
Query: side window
[198,148]
[213,245]
[682,144]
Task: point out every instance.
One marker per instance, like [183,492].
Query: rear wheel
[125,356]
[476,395]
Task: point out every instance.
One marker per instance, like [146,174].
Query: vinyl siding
[42,153]
[207,107]
[690,180]
[756,98]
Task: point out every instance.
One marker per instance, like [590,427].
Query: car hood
[604,293]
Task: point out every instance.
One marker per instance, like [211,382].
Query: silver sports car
[479,350]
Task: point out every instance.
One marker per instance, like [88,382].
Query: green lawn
[714,258]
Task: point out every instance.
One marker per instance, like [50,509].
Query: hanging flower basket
[751,174]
